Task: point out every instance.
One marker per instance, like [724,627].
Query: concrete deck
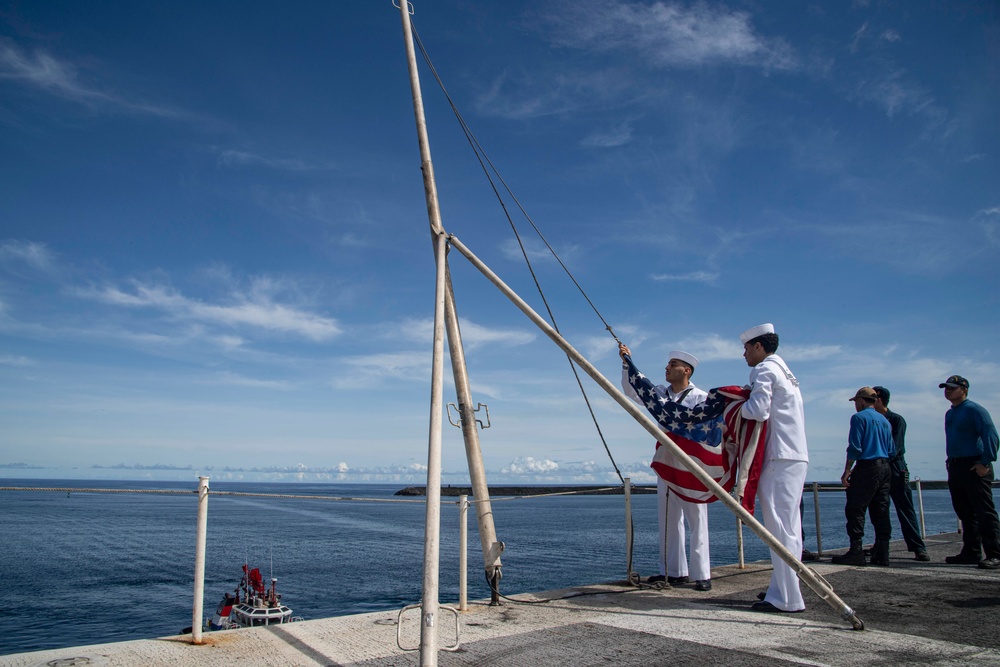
[914,614]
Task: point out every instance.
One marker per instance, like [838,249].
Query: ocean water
[84,568]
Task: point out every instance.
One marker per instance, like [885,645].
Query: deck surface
[914,614]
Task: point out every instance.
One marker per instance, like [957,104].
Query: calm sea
[84,568]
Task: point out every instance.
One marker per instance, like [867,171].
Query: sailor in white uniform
[775,397]
[671,515]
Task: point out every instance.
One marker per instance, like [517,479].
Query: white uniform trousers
[671,517]
[780,492]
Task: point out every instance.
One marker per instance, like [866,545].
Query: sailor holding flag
[776,399]
[672,513]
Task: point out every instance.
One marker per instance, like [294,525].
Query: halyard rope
[484,159]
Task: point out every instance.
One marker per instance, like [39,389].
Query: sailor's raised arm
[627,388]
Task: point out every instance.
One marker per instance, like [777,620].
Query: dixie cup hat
[688,359]
[754,332]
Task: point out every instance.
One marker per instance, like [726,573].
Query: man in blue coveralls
[971,445]
[866,476]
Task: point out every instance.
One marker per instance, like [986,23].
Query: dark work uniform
[899,486]
[870,444]
[970,438]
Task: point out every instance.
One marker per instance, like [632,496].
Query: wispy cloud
[989,220]
[883,82]
[28,253]
[237,380]
[43,71]
[15,360]
[712,347]
[618,135]
[811,352]
[894,92]
[536,250]
[255,309]
[365,370]
[692,277]
[473,335]
[667,34]
[238,158]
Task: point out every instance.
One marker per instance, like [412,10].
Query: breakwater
[456,491]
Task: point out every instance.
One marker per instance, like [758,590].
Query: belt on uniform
[959,460]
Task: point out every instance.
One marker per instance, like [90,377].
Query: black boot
[854,556]
[880,555]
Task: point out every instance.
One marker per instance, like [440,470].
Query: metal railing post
[819,529]
[463,556]
[628,528]
[199,561]
[920,502]
[739,542]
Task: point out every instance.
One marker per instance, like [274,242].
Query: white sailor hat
[689,359]
[758,330]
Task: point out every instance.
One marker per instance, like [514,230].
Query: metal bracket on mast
[409,6]
[458,409]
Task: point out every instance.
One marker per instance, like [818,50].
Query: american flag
[713,433]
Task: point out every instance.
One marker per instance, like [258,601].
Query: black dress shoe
[808,556]
[769,608]
[706,584]
[963,559]
[922,556]
[656,578]
[762,595]
[684,580]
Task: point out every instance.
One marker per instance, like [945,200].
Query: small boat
[251,604]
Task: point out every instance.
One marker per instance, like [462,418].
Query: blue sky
[214,249]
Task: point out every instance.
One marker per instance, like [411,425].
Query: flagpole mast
[446,319]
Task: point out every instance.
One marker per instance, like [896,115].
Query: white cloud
[256,309]
[810,352]
[615,136]
[473,335]
[235,158]
[692,277]
[523,465]
[34,255]
[667,34]
[894,93]
[15,360]
[536,250]
[363,370]
[712,347]
[46,72]
[237,380]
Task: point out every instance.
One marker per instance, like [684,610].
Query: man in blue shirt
[971,446]
[866,476]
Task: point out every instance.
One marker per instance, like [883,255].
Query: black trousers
[869,490]
[972,498]
[902,498]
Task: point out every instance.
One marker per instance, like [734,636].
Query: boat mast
[449,318]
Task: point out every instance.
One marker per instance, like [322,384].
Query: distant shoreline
[451,490]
